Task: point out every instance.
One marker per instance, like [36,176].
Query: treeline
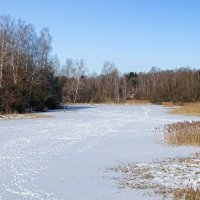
[27,72]
[31,79]
[179,85]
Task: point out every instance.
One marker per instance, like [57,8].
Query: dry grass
[181,133]
[25,116]
[186,194]
[168,104]
[187,109]
[127,102]
[171,178]
[38,116]
[138,102]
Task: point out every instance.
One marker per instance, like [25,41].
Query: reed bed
[186,194]
[187,109]
[181,133]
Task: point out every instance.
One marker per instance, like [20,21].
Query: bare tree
[78,71]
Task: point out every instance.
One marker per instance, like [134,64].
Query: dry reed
[168,104]
[186,194]
[25,116]
[137,102]
[172,178]
[181,133]
[187,109]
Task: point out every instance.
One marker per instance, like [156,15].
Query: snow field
[65,157]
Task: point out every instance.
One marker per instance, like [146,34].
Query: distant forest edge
[31,79]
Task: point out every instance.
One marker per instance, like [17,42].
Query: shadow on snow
[71,108]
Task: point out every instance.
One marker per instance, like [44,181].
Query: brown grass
[138,102]
[38,116]
[187,109]
[25,116]
[181,133]
[128,102]
[168,104]
[186,194]
[172,178]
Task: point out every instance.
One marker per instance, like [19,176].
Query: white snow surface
[65,157]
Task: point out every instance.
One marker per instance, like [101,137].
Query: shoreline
[25,116]
[188,109]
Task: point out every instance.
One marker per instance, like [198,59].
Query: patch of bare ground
[166,177]
[24,116]
[179,133]
[192,109]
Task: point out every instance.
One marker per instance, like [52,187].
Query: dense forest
[31,78]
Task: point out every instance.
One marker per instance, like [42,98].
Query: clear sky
[134,34]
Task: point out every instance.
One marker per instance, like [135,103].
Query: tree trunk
[2,58]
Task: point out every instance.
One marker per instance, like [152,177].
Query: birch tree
[78,71]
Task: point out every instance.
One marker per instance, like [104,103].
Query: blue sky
[134,34]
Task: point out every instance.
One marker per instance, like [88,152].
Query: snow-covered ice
[65,157]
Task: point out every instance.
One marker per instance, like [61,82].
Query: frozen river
[65,157]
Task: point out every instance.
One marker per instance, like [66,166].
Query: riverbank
[25,116]
[192,109]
